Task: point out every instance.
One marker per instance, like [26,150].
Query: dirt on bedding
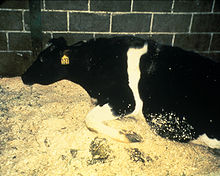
[43,133]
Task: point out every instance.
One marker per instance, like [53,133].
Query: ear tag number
[65,60]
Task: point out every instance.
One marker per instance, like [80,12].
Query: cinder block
[198,42]
[3,41]
[15,4]
[110,5]
[54,21]
[206,23]
[14,63]
[66,4]
[131,23]
[193,6]
[110,35]
[215,45]
[152,6]
[217,6]
[171,23]
[89,22]
[51,21]
[20,41]
[10,20]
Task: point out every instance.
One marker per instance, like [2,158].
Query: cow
[177,91]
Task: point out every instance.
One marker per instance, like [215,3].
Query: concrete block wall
[190,24]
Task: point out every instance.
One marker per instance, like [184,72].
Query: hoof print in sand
[137,156]
[99,150]
[73,153]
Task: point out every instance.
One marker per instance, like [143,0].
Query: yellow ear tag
[65,60]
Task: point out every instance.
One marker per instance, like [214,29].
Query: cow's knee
[95,121]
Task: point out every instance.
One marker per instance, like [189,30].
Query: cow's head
[48,67]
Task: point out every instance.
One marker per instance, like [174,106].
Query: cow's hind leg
[95,121]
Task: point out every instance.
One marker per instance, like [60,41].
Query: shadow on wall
[16,65]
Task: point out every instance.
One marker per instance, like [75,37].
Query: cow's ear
[60,42]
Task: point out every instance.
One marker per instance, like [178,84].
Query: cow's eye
[47,45]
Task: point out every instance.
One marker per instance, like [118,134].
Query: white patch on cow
[134,74]
[95,121]
[204,139]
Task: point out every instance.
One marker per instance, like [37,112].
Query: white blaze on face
[134,74]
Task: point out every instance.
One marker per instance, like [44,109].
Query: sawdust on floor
[42,132]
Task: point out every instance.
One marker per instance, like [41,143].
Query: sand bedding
[42,133]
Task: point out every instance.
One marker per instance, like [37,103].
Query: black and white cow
[177,91]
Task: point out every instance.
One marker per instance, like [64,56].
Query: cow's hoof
[132,136]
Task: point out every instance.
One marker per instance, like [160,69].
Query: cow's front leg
[95,121]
